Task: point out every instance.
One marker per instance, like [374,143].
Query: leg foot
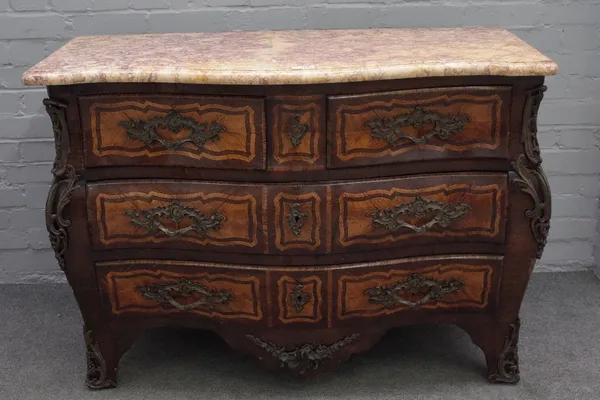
[503,367]
[100,374]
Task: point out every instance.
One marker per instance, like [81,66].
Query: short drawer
[176,215]
[296,128]
[301,296]
[413,284]
[420,210]
[179,288]
[423,124]
[191,131]
[297,218]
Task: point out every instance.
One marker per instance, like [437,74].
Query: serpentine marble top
[290,57]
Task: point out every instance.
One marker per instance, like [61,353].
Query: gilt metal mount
[146,130]
[150,219]
[390,128]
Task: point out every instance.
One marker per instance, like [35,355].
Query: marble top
[290,57]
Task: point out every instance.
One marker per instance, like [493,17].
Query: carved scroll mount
[97,376]
[58,115]
[299,298]
[167,294]
[303,357]
[146,130]
[59,197]
[533,182]
[296,130]
[443,215]
[391,296]
[296,219]
[529,129]
[150,219]
[508,362]
[390,128]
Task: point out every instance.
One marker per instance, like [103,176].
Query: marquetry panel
[300,299]
[296,125]
[158,291]
[423,124]
[420,210]
[195,131]
[428,283]
[176,214]
[298,218]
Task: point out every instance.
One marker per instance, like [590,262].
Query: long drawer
[299,219]
[162,130]
[303,295]
[422,124]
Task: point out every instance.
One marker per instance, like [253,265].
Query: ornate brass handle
[443,215]
[296,131]
[149,219]
[390,128]
[296,218]
[390,296]
[145,130]
[164,294]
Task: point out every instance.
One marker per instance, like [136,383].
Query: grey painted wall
[567,31]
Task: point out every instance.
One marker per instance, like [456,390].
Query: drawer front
[301,296]
[297,215]
[297,133]
[420,210]
[176,214]
[177,288]
[412,125]
[193,131]
[432,283]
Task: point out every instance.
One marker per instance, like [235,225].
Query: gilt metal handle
[443,215]
[145,130]
[296,131]
[165,294]
[390,128]
[150,219]
[391,296]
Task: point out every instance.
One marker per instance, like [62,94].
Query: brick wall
[567,31]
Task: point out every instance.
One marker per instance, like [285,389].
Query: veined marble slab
[290,57]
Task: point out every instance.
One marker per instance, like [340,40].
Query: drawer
[297,218]
[301,296]
[419,210]
[426,283]
[177,215]
[190,131]
[177,287]
[296,126]
[413,125]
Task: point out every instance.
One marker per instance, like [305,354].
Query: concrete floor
[42,357]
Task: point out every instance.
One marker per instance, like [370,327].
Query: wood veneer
[301,260]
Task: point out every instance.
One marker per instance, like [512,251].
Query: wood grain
[484,135]
[309,154]
[112,228]
[313,308]
[309,236]
[122,288]
[240,146]
[484,221]
[353,302]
